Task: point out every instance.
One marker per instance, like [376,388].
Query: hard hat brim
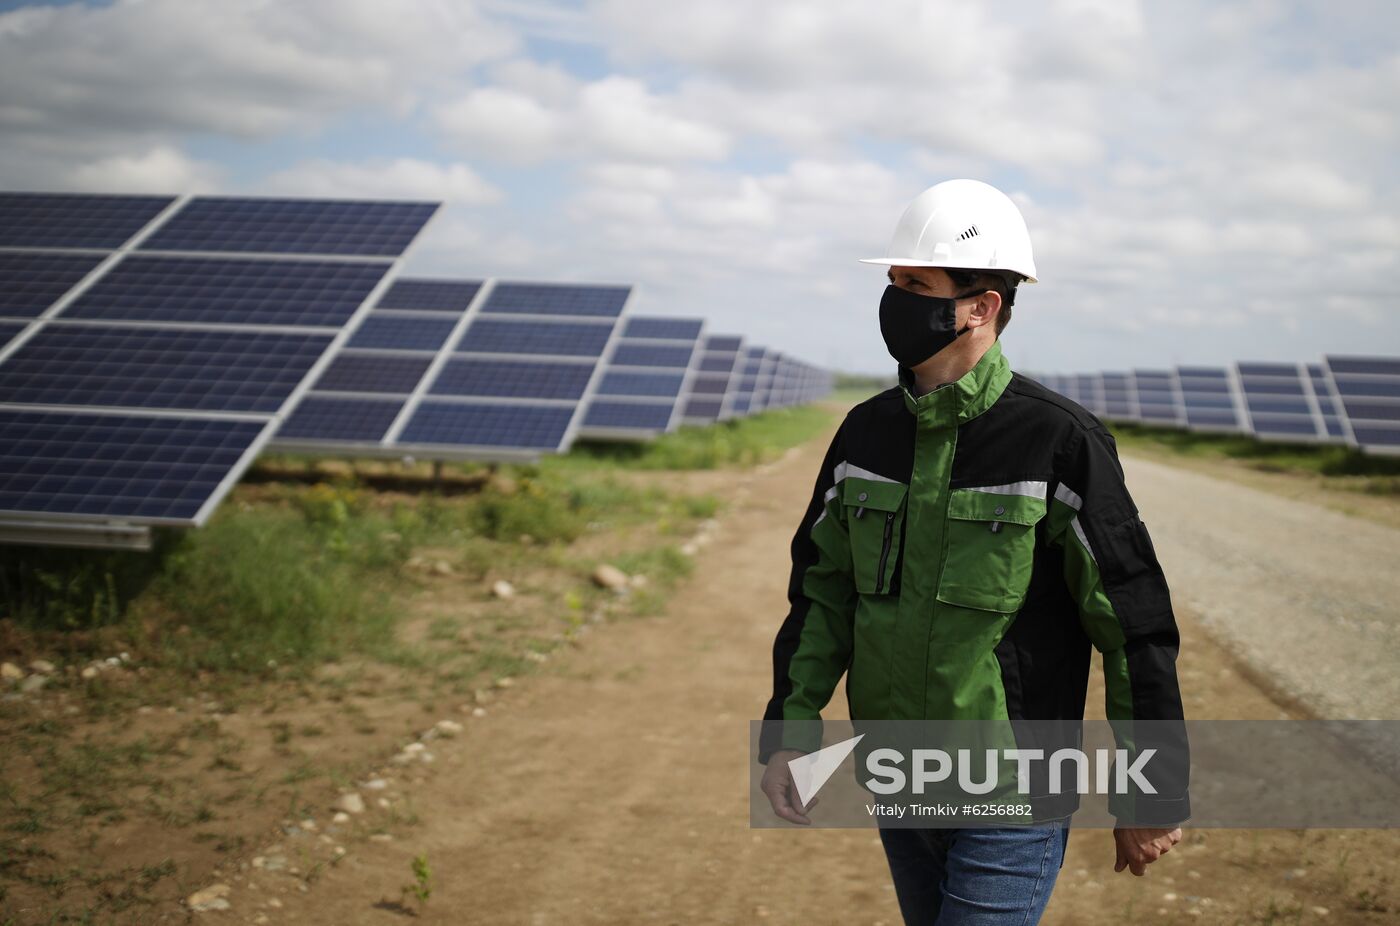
[951,264]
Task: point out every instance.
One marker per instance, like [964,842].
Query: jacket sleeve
[813,646]
[1124,605]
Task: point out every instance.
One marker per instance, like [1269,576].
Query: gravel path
[1307,597]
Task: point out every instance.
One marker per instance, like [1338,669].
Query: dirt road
[612,788]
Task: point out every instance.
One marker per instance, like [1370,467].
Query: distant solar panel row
[710,397]
[1344,399]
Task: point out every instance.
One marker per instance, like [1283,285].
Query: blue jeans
[992,876]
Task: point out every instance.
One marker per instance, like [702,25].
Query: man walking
[969,538]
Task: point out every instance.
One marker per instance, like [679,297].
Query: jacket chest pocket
[991,549]
[874,517]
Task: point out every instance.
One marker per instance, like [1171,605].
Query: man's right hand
[782,790]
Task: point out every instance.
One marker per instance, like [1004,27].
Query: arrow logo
[812,771]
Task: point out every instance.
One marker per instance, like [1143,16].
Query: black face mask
[915,327]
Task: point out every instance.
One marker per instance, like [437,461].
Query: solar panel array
[1353,400]
[456,369]
[149,344]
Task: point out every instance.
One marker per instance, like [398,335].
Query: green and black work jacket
[961,552]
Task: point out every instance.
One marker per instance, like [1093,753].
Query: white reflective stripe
[819,518]
[1068,496]
[831,493]
[1079,532]
[1031,488]
[844,469]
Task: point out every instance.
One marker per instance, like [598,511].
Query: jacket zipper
[884,552]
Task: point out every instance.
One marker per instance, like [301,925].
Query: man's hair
[1003,282]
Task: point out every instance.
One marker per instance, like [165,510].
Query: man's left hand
[1139,847]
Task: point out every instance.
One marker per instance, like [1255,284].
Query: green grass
[1379,474]
[741,441]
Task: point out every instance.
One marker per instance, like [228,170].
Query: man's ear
[987,307]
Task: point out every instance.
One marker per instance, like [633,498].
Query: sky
[1204,181]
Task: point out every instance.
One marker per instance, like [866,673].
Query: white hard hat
[963,224]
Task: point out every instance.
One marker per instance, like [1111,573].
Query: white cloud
[615,117]
[236,67]
[401,178]
[160,170]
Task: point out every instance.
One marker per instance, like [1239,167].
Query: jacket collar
[963,399]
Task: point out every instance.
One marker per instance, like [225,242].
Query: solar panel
[146,382]
[229,291]
[644,379]
[373,372]
[1158,397]
[453,296]
[1328,407]
[626,382]
[159,469]
[671,329]
[403,331]
[512,378]
[1208,397]
[240,224]
[716,381]
[556,299]
[325,418]
[540,428]
[1368,391]
[75,220]
[497,377]
[522,336]
[143,367]
[31,281]
[1119,397]
[1279,403]
[631,416]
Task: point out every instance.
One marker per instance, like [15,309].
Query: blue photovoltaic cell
[31,281]
[512,379]
[533,427]
[1278,405]
[1256,386]
[142,367]
[557,299]
[116,465]
[251,292]
[622,382]
[1375,411]
[1290,425]
[1383,366]
[568,339]
[723,342]
[8,330]
[430,295]
[1376,436]
[398,332]
[1268,369]
[709,385]
[703,407]
[74,220]
[319,417]
[379,373]
[639,415]
[645,355]
[677,329]
[717,363]
[292,226]
[1350,389]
